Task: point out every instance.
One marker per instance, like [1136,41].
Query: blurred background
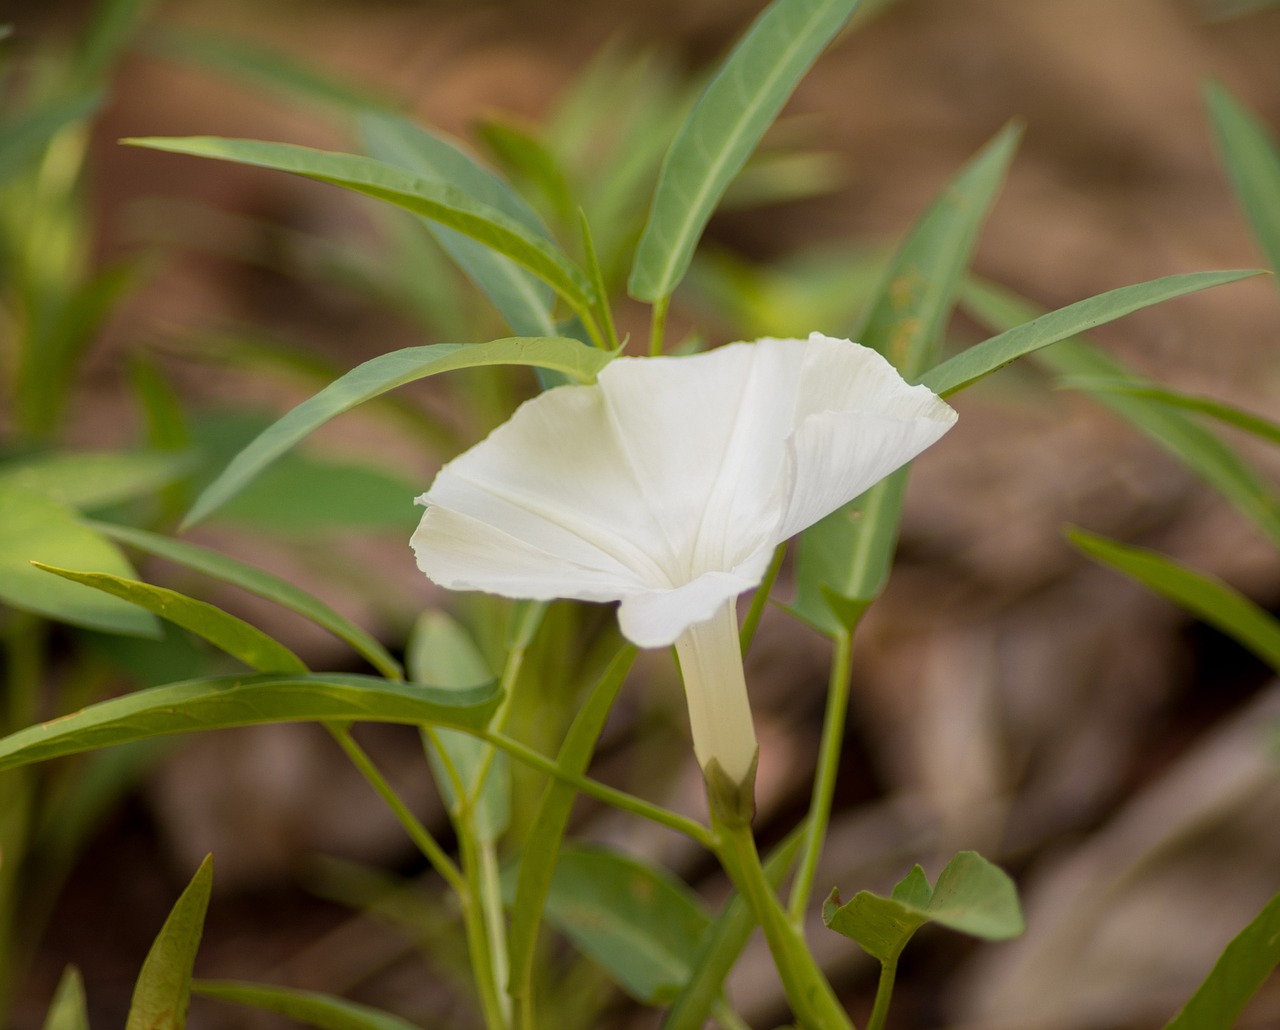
[1115,755]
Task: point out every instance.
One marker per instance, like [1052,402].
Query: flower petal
[858,421]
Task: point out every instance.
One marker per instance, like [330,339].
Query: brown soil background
[1009,696]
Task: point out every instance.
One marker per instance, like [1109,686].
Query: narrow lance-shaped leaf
[521,299]
[1253,162]
[259,582]
[441,202]
[23,137]
[844,560]
[1193,444]
[163,989]
[221,702]
[1244,966]
[306,1007]
[95,479]
[377,376]
[226,632]
[1205,597]
[980,360]
[722,130]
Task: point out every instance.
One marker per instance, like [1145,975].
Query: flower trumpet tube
[666,486]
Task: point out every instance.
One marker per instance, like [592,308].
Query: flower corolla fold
[666,485]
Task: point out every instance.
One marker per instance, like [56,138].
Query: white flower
[666,486]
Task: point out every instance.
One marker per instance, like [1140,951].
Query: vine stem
[812,999]
[884,992]
[824,782]
[657,325]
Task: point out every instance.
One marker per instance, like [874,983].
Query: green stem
[487,964]
[884,992]
[594,788]
[418,833]
[824,782]
[812,999]
[657,326]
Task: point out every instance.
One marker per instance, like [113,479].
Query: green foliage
[261,583]
[163,988]
[1253,162]
[971,896]
[442,654]
[306,1007]
[722,130]
[94,479]
[68,1010]
[34,527]
[232,635]
[377,376]
[1244,966]
[844,559]
[1205,597]
[224,701]
[636,920]
[447,204]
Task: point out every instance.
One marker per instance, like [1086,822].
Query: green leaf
[1206,597]
[521,299]
[24,136]
[68,1010]
[441,202]
[971,896]
[1200,450]
[95,479]
[1244,966]
[982,359]
[1253,162]
[33,527]
[722,130]
[526,158]
[1265,429]
[113,25]
[221,702]
[377,376]
[226,632]
[637,921]
[844,560]
[261,583]
[306,1007]
[442,654]
[538,858]
[163,989]
[262,66]
[907,319]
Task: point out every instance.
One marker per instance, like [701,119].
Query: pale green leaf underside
[223,630]
[723,129]
[306,1007]
[635,920]
[94,479]
[226,701]
[258,582]
[1207,598]
[33,528]
[441,202]
[377,376]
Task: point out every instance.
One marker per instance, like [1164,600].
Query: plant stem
[488,963]
[657,326]
[824,782]
[418,833]
[812,999]
[594,788]
[884,992]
